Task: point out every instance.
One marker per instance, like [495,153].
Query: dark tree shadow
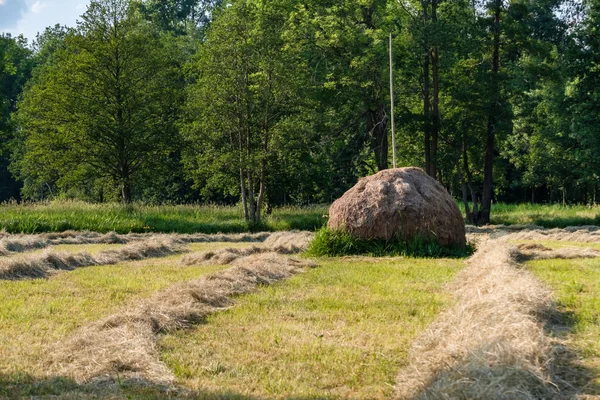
[22,385]
[567,368]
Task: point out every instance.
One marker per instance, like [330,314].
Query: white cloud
[2,2]
[38,6]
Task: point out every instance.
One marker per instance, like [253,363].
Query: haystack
[402,202]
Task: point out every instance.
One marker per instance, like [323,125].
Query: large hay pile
[402,203]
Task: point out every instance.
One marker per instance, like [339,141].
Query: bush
[333,243]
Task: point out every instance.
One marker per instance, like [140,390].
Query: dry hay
[289,242]
[491,343]
[540,252]
[126,343]
[48,263]
[582,234]
[280,242]
[400,202]
[22,243]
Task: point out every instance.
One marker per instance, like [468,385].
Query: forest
[286,102]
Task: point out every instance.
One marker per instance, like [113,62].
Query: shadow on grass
[574,379]
[570,378]
[18,386]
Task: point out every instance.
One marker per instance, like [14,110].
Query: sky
[28,17]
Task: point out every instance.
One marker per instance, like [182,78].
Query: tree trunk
[435,132]
[377,126]
[251,199]
[126,191]
[262,191]
[488,174]
[244,196]
[426,96]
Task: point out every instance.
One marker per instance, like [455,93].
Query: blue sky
[28,17]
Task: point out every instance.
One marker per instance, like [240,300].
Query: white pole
[392,101]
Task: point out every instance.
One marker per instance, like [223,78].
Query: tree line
[287,102]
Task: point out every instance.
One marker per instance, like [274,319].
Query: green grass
[576,284]
[331,243]
[546,215]
[72,215]
[339,331]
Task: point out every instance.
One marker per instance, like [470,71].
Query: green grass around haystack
[341,330]
[72,215]
[333,243]
[576,284]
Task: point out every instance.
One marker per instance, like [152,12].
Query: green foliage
[101,111]
[334,243]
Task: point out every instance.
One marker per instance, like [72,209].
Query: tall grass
[332,243]
[545,215]
[139,218]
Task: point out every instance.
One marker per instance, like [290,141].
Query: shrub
[334,243]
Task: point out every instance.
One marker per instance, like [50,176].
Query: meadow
[222,317]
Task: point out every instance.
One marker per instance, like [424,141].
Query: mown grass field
[66,215]
[341,330]
[576,285]
[37,313]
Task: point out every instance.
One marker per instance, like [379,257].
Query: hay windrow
[10,244]
[532,251]
[48,263]
[126,343]
[280,242]
[491,344]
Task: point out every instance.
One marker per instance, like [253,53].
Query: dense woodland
[287,102]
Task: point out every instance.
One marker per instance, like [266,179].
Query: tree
[102,110]
[16,63]
[242,95]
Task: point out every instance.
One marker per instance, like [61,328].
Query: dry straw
[491,344]
[48,263]
[125,344]
[21,243]
[280,242]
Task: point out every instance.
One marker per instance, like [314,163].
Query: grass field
[36,313]
[322,334]
[576,284]
[61,216]
[546,215]
[339,331]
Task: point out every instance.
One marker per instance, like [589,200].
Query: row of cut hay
[281,242]
[534,251]
[22,243]
[125,344]
[584,234]
[491,344]
[48,263]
